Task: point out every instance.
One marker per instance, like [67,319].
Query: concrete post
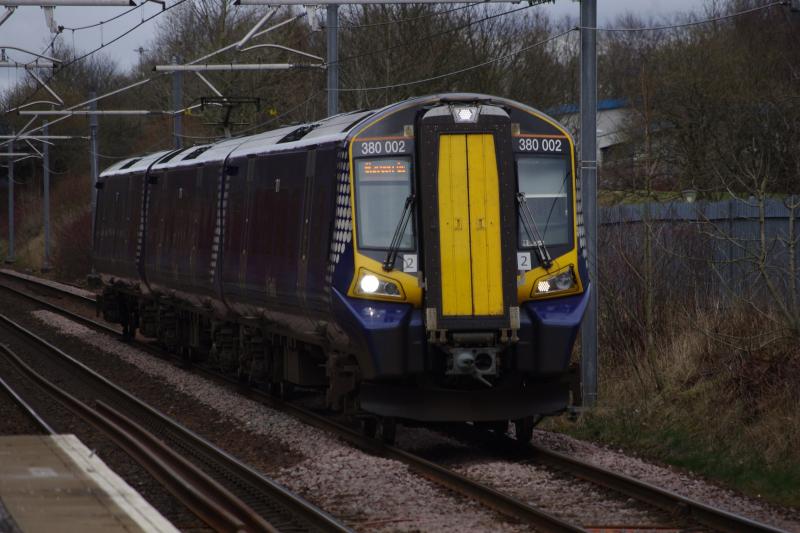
[46,200]
[177,103]
[332,33]
[588,139]
[10,253]
[93,160]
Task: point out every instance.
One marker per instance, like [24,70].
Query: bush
[716,391]
[72,248]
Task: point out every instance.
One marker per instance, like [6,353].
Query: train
[421,262]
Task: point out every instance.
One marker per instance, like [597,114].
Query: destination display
[387,169]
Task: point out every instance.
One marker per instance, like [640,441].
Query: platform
[77,291]
[55,483]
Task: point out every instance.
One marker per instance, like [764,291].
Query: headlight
[561,281]
[371,284]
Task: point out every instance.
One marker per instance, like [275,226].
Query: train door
[468,216]
[469,226]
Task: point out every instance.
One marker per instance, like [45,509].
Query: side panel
[321,216]
[180,228]
[263,231]
[117,219]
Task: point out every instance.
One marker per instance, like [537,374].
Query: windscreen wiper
[533,232]
[399,231]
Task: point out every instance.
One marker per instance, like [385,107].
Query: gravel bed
[672,479]
[562,495]
[329,473]
[579,501]
[368,493]
[13,419]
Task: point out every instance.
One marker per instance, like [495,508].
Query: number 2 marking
[527,144]
[523,260]
[410,263]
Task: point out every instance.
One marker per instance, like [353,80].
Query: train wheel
[185,354]
[369,427]
[499,427]
[388,430]
[128,332]
[523,427]
[285,390]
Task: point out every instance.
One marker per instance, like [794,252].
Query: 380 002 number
[527,144]
[382,147]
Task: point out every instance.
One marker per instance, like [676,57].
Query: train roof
[332,129]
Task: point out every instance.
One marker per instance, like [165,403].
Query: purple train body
[420,261]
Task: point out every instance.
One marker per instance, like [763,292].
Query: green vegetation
[700,324]
[675,440]
[725,412]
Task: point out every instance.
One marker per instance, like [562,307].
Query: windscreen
[545,183]
[382,186]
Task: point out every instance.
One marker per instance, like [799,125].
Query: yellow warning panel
[469,226]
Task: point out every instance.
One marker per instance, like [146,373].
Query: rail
[203,496]
[29,411]
[70,291]
[489,497]
[649,494]
[256,501]
[671,502]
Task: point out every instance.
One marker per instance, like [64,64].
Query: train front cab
[468,288]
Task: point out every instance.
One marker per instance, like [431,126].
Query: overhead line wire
[295,108]
[459,71]
[428,37]
[145,80]
[404,20]
[87,54]
[516,52]
[115,17]
[692,23]
[117,38]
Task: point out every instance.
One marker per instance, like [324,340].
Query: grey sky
[27,28]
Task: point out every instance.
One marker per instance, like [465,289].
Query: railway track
[60,289]
[648,494]
[26,408]
[487,496]
[265,505]
[678,506]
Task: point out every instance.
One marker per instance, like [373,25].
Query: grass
[728,414]
[679,443]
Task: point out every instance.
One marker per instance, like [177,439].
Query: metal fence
[714,245]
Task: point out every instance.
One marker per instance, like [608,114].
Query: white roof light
[465,114]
